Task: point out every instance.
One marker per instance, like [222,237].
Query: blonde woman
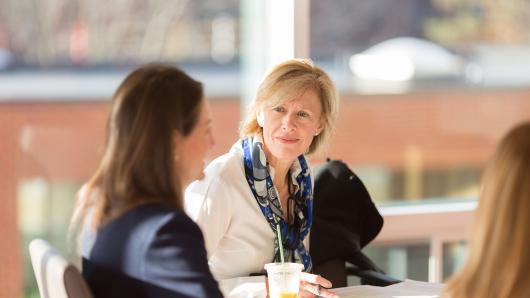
[499,251]
[265,181]
[137,241]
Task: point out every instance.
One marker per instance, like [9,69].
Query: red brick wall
[10,263]
[448,128]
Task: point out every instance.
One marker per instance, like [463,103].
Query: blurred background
[427,89]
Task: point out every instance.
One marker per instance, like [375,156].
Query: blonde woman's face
[193,149]
[289,128]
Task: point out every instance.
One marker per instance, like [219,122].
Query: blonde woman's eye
[279,109]
[303,114]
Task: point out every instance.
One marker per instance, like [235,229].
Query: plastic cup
[283,279]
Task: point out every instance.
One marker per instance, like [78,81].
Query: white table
[254,287]
[408,288]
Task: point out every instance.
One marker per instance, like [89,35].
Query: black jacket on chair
[344,220]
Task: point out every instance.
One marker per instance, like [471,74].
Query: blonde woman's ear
[319,130]
[260,118]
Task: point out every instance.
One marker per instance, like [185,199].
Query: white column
[271,32]
[436,259]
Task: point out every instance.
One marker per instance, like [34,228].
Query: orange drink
[283,279]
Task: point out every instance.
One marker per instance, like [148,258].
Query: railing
[437,222]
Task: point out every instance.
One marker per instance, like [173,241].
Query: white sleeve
[208,203]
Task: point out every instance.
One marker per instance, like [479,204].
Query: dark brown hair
[138,164]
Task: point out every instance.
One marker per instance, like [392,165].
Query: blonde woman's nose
[288,121]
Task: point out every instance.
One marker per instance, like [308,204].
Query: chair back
[56,277]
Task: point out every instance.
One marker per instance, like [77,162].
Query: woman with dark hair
[136,240]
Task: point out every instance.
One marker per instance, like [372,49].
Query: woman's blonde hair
[287,81]
[499,251]
[138,164]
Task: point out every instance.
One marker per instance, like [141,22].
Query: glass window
[427,89]
[60,63]
[57,151]
[79,50]
[411,260]
[44,209]
[454,255]
[388,46]
[402,261]
[94,34]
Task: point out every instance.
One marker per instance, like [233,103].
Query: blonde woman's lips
[287,140]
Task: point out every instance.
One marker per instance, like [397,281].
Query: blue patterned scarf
[260,182]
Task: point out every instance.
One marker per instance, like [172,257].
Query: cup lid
[284,266]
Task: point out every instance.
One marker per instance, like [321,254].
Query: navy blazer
[151,251]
